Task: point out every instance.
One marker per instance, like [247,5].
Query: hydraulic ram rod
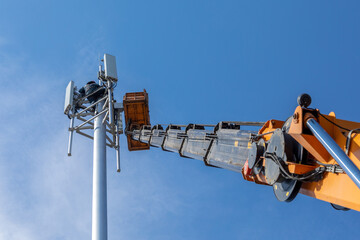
[335,151]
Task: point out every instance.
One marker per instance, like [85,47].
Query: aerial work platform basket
[136,109]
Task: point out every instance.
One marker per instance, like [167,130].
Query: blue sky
[201,62]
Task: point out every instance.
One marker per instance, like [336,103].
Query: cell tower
[94,107]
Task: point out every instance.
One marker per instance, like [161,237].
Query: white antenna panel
[69,97]
[110,67]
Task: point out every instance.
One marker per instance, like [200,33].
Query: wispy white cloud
[45,194]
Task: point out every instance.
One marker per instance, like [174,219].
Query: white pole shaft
[99,204]
[117,150]
[111,108]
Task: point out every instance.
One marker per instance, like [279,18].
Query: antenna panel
[69,97]
[110,67]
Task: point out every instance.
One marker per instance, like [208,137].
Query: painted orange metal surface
[269,127]
[136,111]
[308,141]
[248,176]
[335,188]
[299,168]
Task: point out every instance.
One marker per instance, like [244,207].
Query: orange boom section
[136,109]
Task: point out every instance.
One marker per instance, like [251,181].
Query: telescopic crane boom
[310,153]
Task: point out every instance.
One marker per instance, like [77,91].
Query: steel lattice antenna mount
[94,107]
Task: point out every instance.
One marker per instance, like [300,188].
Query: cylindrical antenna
[111,105]
[71,134]
[117,148]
